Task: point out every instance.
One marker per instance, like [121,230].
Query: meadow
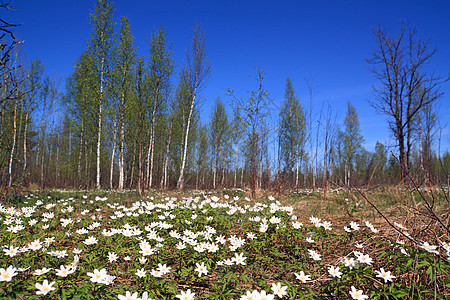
[224,245]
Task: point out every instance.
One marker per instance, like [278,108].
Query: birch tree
[237,132]
[164,178]
[311,86]
[255,110]
[292,132]
[101,45]
[123,76]
[10,93]
[352,141]
[196,72]
[219,129]
[78,103]
[202,156]
[329,140]
[8,48]
[48,95]
[33,86]
[160,71]
[13,147]
[137,125]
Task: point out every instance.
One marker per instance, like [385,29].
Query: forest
[128,122]
[114,184]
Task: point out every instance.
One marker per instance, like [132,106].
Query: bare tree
[255,110]
[310,84]
[328,141]
[404,86]
[8,43]
[11,79]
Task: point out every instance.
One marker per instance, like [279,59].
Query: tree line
[131,122]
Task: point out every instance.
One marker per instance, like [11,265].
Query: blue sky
[326,41]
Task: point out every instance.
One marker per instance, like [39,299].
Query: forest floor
[226,245]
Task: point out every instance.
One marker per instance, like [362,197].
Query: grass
[263,245]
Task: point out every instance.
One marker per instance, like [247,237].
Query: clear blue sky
[327,41]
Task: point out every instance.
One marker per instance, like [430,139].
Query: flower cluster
[107,245]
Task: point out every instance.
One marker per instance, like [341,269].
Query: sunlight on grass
[88,246]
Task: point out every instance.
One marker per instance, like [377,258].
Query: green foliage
[233,193]
[102,36]
[219,138]
[350,150]
[273,252]
[292,133]
[181,113]
[122,112]
[352,134]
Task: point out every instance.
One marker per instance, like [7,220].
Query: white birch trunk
[121,152]
[81,149]
[38,152]
[42,161]
[242,177]
[99,145]
[180,183]
[100,111]
[166,158]
[235,166]
[297,169]
[223,177]
[57,162]
[86,162]
[41,133]
[150,178]
[25,144]
[148,162]
[140,171]
[113,154]
[215,166]
[132,165]
[13,148]
[152,139]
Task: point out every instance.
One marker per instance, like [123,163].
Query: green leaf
[409,262]
[422,264]
[431,273]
